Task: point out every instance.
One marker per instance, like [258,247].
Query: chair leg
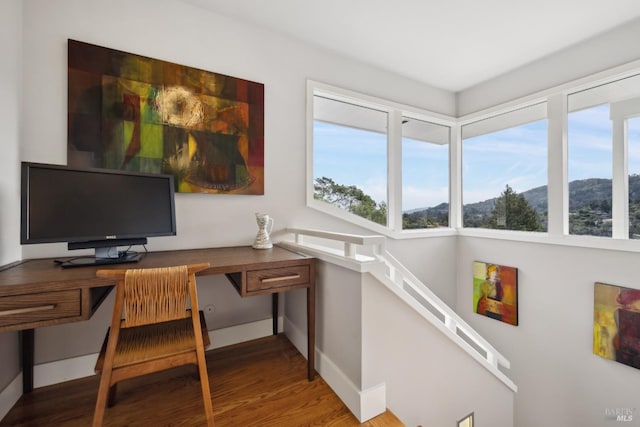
[206,391]
[101,401]
[112,395]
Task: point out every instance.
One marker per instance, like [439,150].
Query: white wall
[338,347]
[10,52]
[431,260]
[339,320]
[560,381]
[173,31]
[613,48]
[430,381]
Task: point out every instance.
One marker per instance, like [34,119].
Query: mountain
[581,192]
[589,208]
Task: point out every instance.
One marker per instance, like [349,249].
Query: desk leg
[28,346]
[274,312]
[311,331]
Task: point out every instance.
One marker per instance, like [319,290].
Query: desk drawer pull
[27,310]
[280,279]
[271,279]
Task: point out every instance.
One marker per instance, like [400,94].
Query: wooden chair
[152,330]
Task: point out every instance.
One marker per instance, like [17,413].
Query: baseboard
[245,332]
[10,395]
[364,404]
[79,367]
[60,371]
[296,336]
[373,402]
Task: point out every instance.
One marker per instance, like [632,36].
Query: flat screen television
[95,208]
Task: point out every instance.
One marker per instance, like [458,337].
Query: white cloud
[413,197]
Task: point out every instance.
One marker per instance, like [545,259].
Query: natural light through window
[603,143]
[504,171]
[590,169]
[633,138]
[399,170]
[425,174]
[350,158]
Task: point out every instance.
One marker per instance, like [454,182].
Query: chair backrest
[153,295]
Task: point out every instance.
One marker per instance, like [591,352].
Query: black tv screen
[94,207]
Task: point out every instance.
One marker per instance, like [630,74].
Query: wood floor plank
[257,383]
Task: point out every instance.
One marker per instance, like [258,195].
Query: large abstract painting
[131,112]
[616,324]
[495,291]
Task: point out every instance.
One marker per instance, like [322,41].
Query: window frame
[558,183]
[557,232]
[395,113]
[532,111]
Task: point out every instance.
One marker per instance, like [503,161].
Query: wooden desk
[37,292]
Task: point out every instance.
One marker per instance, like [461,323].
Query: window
[386,166]
[504,171]
[590,151]
[633,136]
[425,174]
[376,163]
[604,159]
[350,158]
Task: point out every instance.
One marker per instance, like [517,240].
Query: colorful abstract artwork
[616,324]
[131,112]
[495,291]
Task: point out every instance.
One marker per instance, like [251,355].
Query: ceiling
[450,44]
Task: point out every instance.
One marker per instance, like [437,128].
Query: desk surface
[43,274]
[38,292]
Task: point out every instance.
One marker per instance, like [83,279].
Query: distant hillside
[581,192]
[589,208]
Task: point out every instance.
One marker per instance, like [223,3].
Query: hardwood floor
[257,383]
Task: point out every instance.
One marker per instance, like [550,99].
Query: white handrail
[376,242]
[452,320]
[397,277]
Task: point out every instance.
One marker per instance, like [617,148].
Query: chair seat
[156,341]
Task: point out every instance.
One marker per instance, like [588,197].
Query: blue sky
[590,148]
[351,157]
[634,145]
[515,156]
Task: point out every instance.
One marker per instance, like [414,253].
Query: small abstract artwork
[616,324]
[135,113]
[495,291]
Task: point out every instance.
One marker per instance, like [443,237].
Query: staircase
[414,354]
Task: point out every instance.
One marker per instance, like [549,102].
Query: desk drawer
[277,277]
[18,309]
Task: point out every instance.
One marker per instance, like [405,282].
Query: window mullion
[394,178]
[620,184]
[455,177]
[620,112]
[558,188]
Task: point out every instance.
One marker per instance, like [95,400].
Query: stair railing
[369,254]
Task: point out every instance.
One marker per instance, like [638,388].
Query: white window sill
[607,243]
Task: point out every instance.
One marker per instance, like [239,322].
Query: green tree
[350,198]
[512,212]
[433,217]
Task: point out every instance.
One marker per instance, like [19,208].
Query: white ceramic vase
[265,226]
